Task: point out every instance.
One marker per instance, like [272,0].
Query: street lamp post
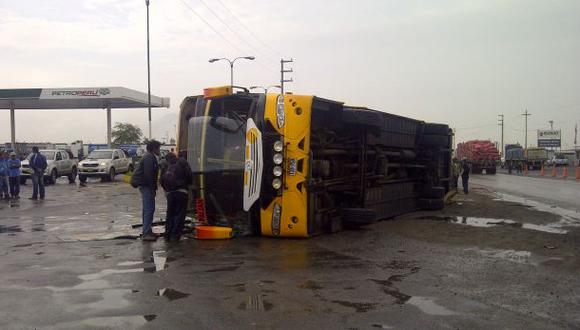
[266,88]
[148,71]
[231,62]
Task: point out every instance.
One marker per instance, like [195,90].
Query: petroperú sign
[75,92]
[549,138]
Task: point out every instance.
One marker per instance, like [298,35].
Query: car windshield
[48,154]
[100,154]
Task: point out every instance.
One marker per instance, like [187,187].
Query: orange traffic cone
[577,172]
[542,172]
[565,173]
[525,169]
[554,171]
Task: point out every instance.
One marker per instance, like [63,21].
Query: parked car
[105,164]
[60,163]
[559,160]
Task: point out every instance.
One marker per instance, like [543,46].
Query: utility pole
[282,72]
[148,71]
[501,123]
[526,115]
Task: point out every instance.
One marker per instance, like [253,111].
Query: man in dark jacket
[38,165]
[176,178]
[145,178]
[465,175]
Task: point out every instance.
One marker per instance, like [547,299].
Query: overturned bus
[299,165]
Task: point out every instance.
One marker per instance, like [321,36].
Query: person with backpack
[176,178]
[145,178]
[38,165]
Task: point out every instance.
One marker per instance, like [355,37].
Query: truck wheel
[112,174]
[53,176]
[23,180]
[72,176]
[82,179]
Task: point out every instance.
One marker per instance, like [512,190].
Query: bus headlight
[276,183]
[280,116]
[278,146]
[278,158]
[277,171]
[276,217]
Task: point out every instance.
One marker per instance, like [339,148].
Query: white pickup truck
[105,164]
[59,163]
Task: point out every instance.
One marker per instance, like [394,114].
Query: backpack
[172,178]
[137,177]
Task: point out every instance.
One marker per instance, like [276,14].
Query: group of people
[175,177]
[9,176]
[10,172]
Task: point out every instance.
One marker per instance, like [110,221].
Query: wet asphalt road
[563,192]
[488,261]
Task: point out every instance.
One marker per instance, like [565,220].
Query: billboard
[549,138]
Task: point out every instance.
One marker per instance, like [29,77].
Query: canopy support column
[12,128]
[109,126]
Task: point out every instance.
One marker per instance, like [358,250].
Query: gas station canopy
[76,98]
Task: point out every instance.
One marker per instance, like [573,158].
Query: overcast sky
[456,62]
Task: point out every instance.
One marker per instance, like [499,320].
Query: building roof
[78,98]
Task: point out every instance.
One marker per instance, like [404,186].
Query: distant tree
[125,133]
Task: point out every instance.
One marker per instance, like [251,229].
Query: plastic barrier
[565,173]
[554,171]
[542,172]
[577,172]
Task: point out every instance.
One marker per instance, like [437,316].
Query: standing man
[14,175]
[4,176]
[38,165]
[145,178]
[465,175]
[175,179]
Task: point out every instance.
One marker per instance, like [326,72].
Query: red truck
[481,154]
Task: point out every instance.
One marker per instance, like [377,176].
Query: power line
[245,27]
[232,30]
[211,27]
[220,34]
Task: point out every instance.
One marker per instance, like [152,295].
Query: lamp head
[213,60]
[250,58]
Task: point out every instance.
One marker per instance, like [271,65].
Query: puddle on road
[492,222]
[428,306]
[172,294]
[159,259]
[358,306]
[520,257]
[129,263]
[110,322]
[568,217]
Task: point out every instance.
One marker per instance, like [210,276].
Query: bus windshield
[216,144]
[217,139]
